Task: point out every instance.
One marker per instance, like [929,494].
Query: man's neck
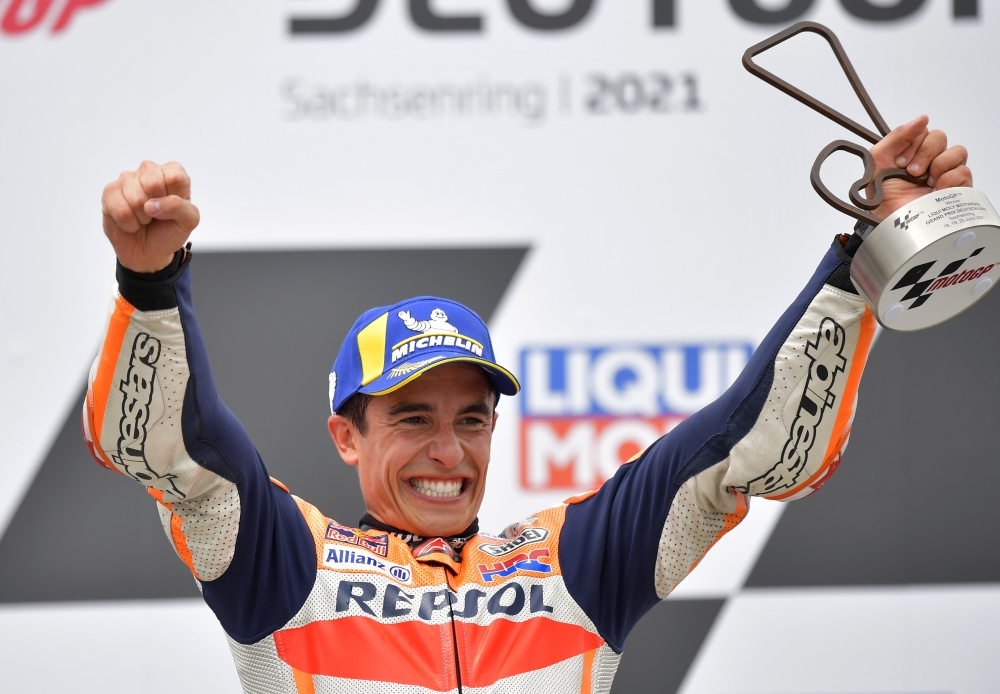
[370,522]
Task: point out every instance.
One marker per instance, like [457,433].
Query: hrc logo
[531,561]
[587,410]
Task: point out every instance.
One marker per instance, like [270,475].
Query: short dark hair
[355,409]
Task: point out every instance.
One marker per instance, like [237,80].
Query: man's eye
[412,420]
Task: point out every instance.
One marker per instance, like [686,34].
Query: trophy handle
[864,205]
[861,210]
[815,104]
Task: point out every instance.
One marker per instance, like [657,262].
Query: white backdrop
[691,225]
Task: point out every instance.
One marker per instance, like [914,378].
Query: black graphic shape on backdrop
[914,499]
[273,322]
[660,650]
[85,533]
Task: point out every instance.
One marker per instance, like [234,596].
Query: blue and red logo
[536,560]
[587,410]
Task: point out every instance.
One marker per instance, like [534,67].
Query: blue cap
[390,346]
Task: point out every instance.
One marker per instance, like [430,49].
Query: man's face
[422,461]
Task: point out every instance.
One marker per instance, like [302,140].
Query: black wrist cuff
[845,248]
[152,291]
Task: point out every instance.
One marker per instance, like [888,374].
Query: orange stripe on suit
[97,394]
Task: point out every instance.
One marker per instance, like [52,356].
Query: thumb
[175,209]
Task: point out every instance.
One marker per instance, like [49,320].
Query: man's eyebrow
[479,408]
[408,407]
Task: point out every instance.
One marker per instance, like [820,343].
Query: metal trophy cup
[933,258]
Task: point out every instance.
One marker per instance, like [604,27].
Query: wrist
[153,291]
[148,266]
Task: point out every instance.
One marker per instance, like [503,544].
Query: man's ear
[345,437]
[496,416]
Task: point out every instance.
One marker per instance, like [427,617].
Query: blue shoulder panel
[274,566]
[609,542]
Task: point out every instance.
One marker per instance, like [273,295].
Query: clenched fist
[148,215]
[918,150]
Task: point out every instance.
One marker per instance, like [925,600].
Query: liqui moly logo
[587,410]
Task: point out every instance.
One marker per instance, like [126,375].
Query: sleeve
[152,413]
[778,432]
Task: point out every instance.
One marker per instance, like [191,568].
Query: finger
[177,180]
[116,208]
[152,180]
[960,177]
[950,159]
[899,142]
[176,209]
[907,156]
[135,196]
[930,149]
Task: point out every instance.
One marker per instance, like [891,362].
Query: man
[416,599]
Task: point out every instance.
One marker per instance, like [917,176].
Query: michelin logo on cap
[389,346]
[437,323]
[433,329]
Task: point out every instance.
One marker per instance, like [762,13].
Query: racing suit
[310,605]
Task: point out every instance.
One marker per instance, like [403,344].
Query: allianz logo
[339,557]
[628,381]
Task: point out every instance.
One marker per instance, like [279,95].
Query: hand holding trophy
[929,260]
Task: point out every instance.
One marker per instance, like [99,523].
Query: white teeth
[437,488]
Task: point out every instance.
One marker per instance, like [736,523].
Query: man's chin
[438,517]
[436,524]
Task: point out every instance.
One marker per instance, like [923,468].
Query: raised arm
[152,412]
[778,432]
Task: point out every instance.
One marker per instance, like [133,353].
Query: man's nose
[445,448]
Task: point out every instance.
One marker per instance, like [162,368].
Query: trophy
[934,257]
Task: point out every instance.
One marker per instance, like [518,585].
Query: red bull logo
[379,544]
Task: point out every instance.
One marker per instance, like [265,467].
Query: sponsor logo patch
[337,557]
[826,361]
[528,536]
[437,323]
[436,331]
[379,544]
[536,560]
[510,599]
[137,391]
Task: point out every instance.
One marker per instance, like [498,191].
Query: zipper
[454,638]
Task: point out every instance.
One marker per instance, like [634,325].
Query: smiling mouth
[438,489]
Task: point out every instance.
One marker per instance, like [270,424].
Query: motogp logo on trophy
[905,222]
[587,410]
